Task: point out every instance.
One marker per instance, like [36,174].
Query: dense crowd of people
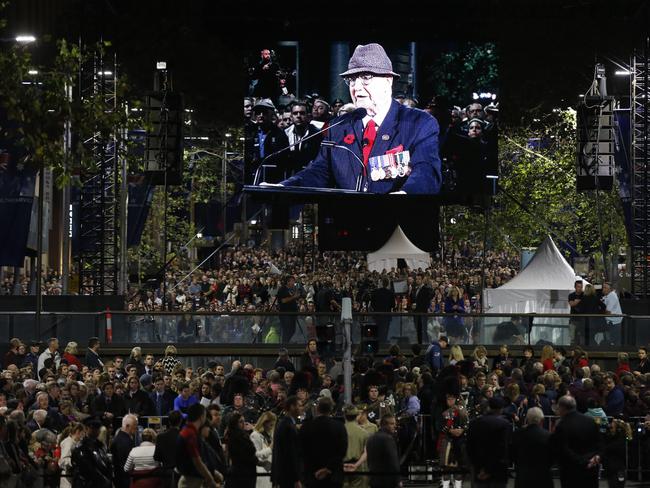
[249,278]
[61,413]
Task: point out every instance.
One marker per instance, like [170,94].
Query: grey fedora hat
[370,58]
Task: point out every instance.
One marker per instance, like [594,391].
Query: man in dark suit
[108,406]
[324,443]
[162,399]
[121,446]
[576,445]
[531,452]
[137,400]
[393,149]
[92,355]
[381,450]
[422,296]
[487,447]
[286,458]
[165,452]
[383,300]
[267,139]
[214,439]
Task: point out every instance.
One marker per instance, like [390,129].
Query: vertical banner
[17,184]
[141,191]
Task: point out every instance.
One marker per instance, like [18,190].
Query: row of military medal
[390,166]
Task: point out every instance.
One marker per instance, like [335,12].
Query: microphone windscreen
[359,113]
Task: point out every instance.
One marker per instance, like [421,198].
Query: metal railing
[260,328]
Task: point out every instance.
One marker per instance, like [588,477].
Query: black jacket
[301,155]
[138,403]
[215,444]
[91,465]
[243,460]
[487,446]
[423,298]
[93,361]
[167,402]
[324,443]
[120,449]
[286,458]
[100,405]
[383,458]
[165,452]
[531,453]
[576,440]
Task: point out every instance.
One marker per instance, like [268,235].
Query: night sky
[547,47]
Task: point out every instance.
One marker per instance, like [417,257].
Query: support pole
[39,250]
[346,318]
[65,217]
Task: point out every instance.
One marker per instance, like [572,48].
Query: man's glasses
[365,79]
[302,112]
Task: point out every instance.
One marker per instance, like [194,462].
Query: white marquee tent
[541,287]
[398,247]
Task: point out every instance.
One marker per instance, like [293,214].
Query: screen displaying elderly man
[383,146]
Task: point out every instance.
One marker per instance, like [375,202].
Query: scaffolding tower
[99,192]
[641,173]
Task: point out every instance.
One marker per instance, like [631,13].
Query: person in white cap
[268,140]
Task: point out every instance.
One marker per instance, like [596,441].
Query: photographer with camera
[264,76]
[287,298]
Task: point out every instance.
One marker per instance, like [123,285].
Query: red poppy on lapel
[349,139]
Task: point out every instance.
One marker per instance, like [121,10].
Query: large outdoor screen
[415,118]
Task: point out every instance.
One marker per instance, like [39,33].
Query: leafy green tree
[202,183]
[539,196]
[467,68]
[38,103]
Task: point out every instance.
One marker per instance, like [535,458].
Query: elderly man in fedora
[390,149]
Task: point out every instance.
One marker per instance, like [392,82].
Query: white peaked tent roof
[547,270]
[396,247]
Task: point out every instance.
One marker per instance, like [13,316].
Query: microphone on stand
[361,178]
[356,114]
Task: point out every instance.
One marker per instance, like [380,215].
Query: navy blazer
[415,130]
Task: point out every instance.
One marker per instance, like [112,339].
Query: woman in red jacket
[548,355]
[623,364]
[69,355]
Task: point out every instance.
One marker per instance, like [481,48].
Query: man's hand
[349,467]
[482,475]
[218,477]
[264,183]
[593,462]
[297,484]
[322,473]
